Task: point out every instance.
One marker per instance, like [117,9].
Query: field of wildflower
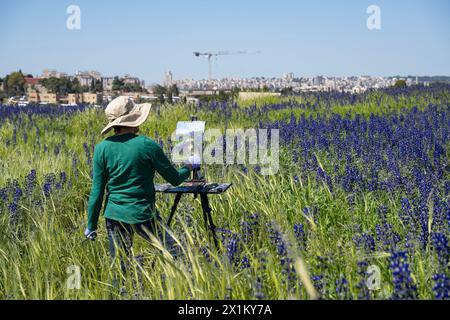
[360,208]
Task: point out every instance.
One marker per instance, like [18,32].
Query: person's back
[126,165]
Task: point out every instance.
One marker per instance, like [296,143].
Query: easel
[196,188]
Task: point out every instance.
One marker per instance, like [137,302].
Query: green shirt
[126,165]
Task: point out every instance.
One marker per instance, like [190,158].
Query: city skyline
[129,38]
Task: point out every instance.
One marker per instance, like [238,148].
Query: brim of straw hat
[134,119]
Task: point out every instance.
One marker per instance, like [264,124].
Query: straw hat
[122,111]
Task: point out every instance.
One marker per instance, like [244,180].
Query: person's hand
[194,162]
[91,235]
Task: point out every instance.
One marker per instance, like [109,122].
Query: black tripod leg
[208,218]
[174,208]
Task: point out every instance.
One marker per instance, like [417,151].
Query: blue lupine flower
[13,208]
[318,283]
[300,235]
[363,291]
[245,263]
[440,244]
[441,286]
[248,227]
[87,152]
[404,287]
[30,181]
[232,248]
[62,177]
[3,194]
[259,294]
[232,243]
[17,194]
[342,289]
[278,240]
[406,214]
[365,242]
[47,189]
[206,254]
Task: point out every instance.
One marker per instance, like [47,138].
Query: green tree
[159,91]
[223,96]
[96,86]
[400,84]
[169,96]
[174,90]
[75,86]
[51,84]
[287,91]
[63,85]
[235,93]
[2,93]
[15,84]
[117,84]
[132,87]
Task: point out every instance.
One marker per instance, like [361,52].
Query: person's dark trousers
[120,237]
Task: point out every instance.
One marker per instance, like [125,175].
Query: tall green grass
[36,254]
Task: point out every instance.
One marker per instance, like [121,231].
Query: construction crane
[210,55]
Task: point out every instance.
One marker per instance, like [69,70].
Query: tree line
[166,93]
[14,84]
[119,85]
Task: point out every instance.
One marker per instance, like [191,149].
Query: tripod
[196,188]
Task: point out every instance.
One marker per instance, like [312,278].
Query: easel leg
[174,208]
[207,217]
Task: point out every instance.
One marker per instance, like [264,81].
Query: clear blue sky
[146,38]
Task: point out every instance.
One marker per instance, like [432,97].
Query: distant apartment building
[50,98]
[74,98]
[288,76]
[168,79]
[85,81]
[33,96]
[107,83]
[91,98]
[46,73]
[318,80]
[89,74]
[87,78]
[127,79]
[86,97]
